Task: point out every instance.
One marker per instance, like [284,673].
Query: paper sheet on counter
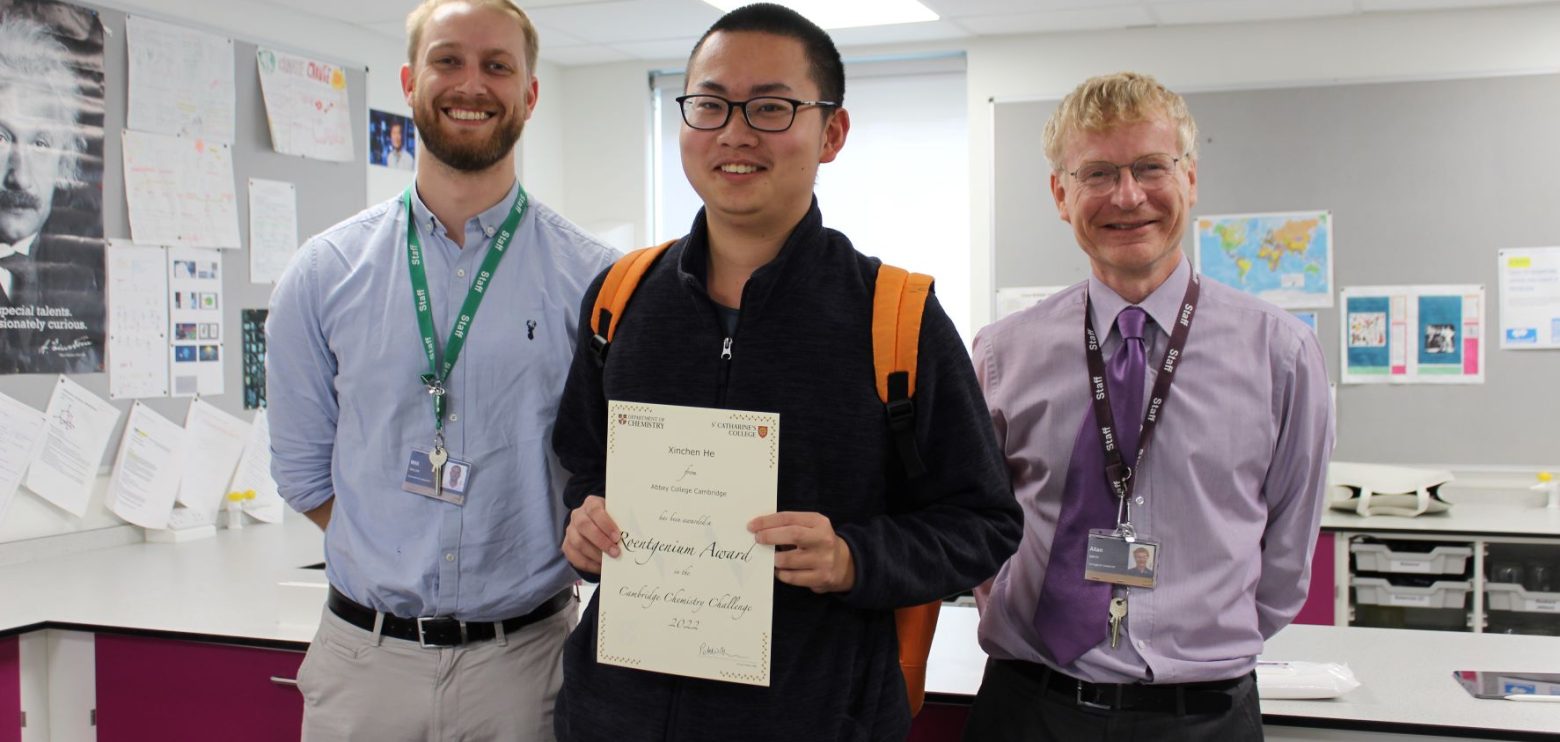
[146,469]
[21,437]
[254,473]
[214,440]
[79,425]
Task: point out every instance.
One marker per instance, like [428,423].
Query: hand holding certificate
[691,591]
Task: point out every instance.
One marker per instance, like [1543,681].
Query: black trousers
[1014,706]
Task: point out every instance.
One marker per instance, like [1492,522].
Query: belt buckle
[1088,704]
[422,636]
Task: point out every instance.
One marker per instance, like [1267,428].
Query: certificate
[691,592]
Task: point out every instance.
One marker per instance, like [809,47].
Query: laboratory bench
[204,635]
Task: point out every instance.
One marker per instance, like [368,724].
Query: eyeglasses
[768,113]
[1152,172]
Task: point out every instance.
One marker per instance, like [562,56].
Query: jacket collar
[796,258]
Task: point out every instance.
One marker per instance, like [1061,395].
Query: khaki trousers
[360,687]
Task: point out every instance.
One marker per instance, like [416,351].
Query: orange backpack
[898,303]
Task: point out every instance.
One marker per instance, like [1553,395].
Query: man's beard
[466,156]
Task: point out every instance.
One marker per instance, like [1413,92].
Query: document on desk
[21,437]
[145,481]
[215,441]
[79,425]
[254,473]
[691,593]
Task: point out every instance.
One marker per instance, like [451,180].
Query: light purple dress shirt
[1231,487]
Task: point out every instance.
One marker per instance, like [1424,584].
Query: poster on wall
[1412,335]
[253,331]
[180,191]
[1285,258]
[195,319]
[51,192]
[392,141]
[1530,298]
[306,106]
[138,321]
[181,81]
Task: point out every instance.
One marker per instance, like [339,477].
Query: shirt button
[454,417]
[488,231]
[450,557]
[1139,500]
[461,273]
[1140,644]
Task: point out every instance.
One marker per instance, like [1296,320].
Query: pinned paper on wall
[79,424]
[180,191]
[273,228]
[137,321]
[215,440]
[306,105]
[147,468]
[1412,335]
[181,81]
[1309,318]
[1285,258]
[1018,298]
[21,437]
[254,473]
[195,321]
[1530,298]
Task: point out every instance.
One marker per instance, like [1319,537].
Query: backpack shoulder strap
[616,290]
[899,302]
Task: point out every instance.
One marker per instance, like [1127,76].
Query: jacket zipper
[725,371]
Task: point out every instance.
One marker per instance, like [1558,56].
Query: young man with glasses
[760,307]
[1204,441]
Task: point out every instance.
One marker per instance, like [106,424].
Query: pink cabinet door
[1318,608]
[10,690]
[172,689]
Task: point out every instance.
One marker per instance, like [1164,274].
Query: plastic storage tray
[1442,594]
[1442,560]
[1508,597]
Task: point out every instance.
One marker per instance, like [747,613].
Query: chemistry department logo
[622,419]
[652,422]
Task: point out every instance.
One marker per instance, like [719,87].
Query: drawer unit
[1441,594]
[1508,597]
[1440,560]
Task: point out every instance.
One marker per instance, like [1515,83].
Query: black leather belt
[440,631]
[1176,698]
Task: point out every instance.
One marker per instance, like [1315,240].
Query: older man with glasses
[1150,412]
[761,307]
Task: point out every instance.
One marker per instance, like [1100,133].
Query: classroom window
[900,187]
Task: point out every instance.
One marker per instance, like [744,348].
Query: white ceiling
[576,32]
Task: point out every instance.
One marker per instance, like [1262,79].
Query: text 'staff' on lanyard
[439,372]
[1116,469]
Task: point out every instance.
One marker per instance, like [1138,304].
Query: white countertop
[226,586]
[1405,676]
[1505,517]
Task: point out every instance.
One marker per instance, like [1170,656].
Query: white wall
[606,152]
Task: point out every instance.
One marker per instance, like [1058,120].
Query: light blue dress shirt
[1231,487]
[347,408]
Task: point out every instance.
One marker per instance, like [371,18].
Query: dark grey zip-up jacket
[802,348]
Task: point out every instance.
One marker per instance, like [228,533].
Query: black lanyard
[1116,470]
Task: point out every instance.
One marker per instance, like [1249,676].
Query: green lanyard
[438,373]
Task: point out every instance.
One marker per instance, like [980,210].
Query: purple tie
[1070,616]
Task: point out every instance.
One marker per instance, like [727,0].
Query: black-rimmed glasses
[766,113]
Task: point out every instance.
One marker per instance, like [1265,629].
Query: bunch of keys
[1118,611]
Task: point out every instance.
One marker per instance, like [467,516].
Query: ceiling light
[855,13]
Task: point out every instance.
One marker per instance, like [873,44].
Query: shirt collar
[486,222]
[22,246]
[1163,305]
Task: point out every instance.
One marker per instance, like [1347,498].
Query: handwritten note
[273,228]
[137,321]
[180,191]
[181,81]
[306,105]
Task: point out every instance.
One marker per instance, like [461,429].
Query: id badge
[1115,560]
[455,478]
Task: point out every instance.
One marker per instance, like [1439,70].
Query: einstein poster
[51,188]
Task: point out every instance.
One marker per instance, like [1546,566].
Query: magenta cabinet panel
[1318,608]
[10,690]
[172,689]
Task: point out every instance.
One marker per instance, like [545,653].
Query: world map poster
[1284,258]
